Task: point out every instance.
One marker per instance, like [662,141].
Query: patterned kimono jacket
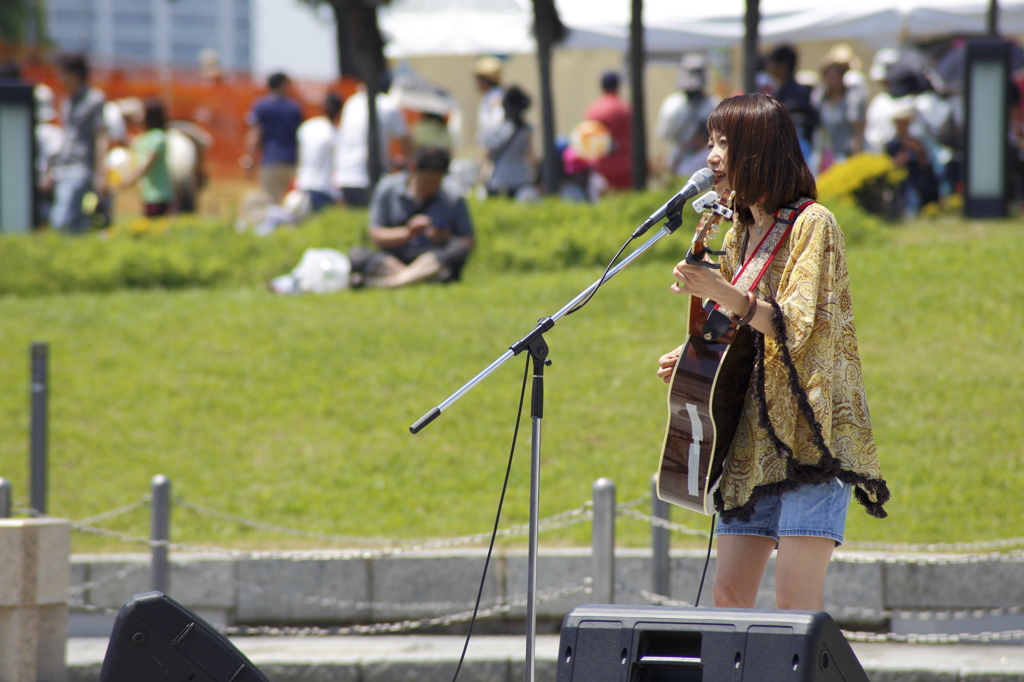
[805,415]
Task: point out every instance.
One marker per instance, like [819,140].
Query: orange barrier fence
[217,103]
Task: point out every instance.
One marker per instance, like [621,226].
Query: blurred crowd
[907,104]
[915,116]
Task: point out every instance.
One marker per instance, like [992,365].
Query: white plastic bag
[320,271]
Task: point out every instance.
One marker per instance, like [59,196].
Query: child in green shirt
[151,156]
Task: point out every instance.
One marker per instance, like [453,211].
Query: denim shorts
[810,510]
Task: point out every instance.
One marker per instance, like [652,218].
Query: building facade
[154,32]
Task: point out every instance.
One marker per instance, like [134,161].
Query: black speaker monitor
[609,643]
[156,638]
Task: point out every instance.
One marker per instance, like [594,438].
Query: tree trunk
[13,17]
[346,59]
[361,44]
[637,59]
[751,57]
[545,27]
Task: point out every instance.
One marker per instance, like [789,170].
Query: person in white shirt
[317,137]
[682,119]
[351,175]
[490,115]
[49,138]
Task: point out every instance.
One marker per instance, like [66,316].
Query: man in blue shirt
[273,123]
[781,64]
[420,225]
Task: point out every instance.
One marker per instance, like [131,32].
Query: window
[133,48]
[132,20]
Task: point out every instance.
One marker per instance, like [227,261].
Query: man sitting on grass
[420,225]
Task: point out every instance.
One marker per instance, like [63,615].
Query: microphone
[699,182]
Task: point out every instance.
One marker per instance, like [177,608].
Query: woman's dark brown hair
[763,156]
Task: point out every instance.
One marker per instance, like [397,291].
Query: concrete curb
[862,592]
[500,659]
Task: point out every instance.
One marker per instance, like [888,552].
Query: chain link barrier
[79,590]
[581,514]
[395,547]
[410,625]
[981,546]
[1015,555]
[329,602]
[662,523]
[894,637]
[937,638]
[928,554]
[77,605]
[1007,549]
[120,511]
[864,613]
[283,530]
[662,600]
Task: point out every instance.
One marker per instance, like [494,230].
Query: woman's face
[833,77]
[718,161]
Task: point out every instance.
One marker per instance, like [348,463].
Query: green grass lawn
[295,411]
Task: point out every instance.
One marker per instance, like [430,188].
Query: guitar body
[710,380]
[705,402]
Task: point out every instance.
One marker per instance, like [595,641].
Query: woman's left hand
[697,280]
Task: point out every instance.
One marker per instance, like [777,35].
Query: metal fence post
[603,541]
[37,448]
[161,531]
[5,498]
[660,543]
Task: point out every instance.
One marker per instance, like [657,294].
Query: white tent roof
[436,27]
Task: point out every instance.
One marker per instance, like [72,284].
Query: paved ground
[886,662]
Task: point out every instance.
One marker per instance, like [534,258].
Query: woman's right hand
[667,364]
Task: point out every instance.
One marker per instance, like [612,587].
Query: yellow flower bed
[859,172]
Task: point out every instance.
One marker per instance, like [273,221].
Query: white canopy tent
[449,27]
[673,27]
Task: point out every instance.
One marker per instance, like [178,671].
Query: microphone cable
[607,269]
[601,281]
[497,517]
[707,560]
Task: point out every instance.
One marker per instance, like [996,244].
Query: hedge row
[189,251]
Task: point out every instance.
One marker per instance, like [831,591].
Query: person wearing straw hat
[913,153]
[490,114]
[841,110]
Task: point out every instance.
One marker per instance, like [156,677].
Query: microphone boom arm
[546,323]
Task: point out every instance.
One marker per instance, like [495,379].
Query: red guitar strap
[753,269]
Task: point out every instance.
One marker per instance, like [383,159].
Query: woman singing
[804,439]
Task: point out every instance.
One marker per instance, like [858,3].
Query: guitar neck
[697,249]
[698,316]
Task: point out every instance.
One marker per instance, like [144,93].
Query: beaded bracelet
[752,302]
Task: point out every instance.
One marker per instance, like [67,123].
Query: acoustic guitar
[706,393]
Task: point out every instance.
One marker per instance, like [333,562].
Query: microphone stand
[538,348]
